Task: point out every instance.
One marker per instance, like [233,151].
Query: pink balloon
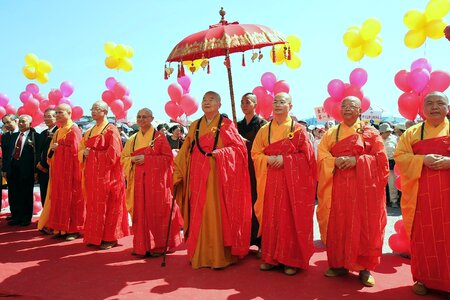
[31,106]
[188,104]
[185,82]
[358,77]
[119,90]
[66,88]
[353,90]
[110,83]
[281,86]
[175,92]
[336,113]
[43,105]
[439,81]
[418,79]
[21,111]
[116,106]
[54,95]
[2,112]
[25,97]
[39,97]
[38,117]
[408,105]
[108,97]
[421,63]
[268,81]
[10,109]
[77,113]
[32,88]
[127,103]
[399,227]
[121,115]
[399,243]
[173,110]
[3,99]
[365,104]
[260,92]
[336,89]
[401,80]
[328,105]
[65,100]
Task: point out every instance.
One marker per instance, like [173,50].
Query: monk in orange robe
[103,181]
[286,174]
[148,164]
[65,198]
[212,188]
[353,172]
[423,158]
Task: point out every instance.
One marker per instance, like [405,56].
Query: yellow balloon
[414,19]
[415,38]
[372,48]
[109,48]
[355,54]
[294,63]
[41,77]
[437,9]
[31,59]
[120,51]
[129,51]
[279,54]
[294,43]
[370,28]
[111,62]
[29,72]
[125,64]
[435,29]
[352,38]
[44,66]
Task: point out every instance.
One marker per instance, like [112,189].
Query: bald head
[65,107]
[102,105]
[438,95]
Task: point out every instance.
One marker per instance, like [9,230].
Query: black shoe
[13,223]
[9,218]
[25,223]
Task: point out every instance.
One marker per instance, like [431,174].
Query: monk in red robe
[353,172]
[148,163]
[423,158]
[66,203]
[212,187]
[285,168]
[103,181]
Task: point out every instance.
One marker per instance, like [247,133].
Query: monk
[286,174]
[212,188]
[423,159]
[65,201]
[353,171]
[148,164]
[103,181]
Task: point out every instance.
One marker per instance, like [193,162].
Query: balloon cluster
[265,93]
[286,53]
[5,106]
[363,40]
[181,102]
[399,241]
[338,90]
[426,24]
[416,84]
[118,56]
[36,68]
[117,96]
[61,96]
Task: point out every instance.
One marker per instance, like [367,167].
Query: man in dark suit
[10,125]
[45,139]
[20,171]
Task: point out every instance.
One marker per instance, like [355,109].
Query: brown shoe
[366,278]
[419,288]
[266,267]
[290,271]
[72,236]
[107,245]
[334,272]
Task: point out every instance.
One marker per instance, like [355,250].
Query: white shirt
[24,140]
[390,143]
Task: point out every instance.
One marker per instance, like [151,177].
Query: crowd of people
[230,187]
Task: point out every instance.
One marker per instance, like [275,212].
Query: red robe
[106,213]
[287,227]
[430,237]
[358,209]
[153,199]
[67,211]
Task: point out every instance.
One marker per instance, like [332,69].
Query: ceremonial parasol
[223,39]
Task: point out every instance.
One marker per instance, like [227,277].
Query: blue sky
[71,35]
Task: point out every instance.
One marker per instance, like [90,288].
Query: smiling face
[350,110]
[144,119]
[24,123]
[50,118]
[211,104]
[435,107]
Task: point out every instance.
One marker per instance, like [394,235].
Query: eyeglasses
[350,107]
[143,117]
[96,109]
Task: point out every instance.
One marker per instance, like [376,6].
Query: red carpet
[33,266]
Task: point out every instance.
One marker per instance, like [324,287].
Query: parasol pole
[230,83]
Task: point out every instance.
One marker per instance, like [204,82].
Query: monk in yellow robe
[423,158]
[212,189]
[353,172]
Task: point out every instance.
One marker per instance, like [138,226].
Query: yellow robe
[410,166]
[135,142]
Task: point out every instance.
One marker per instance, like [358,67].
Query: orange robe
[425,203]
[287,202]
[214,195]
[152,184]
[352,202]
[104,185]
[67,206]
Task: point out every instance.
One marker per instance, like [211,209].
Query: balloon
[77,113]
[399,243]
[37,207]
[365,104]
[358,77]
[414,19]
[268,81]
[109,48]
[111,62]
[336,89]
[439,81]
[127,103]
[294,63]
[418,79]
[110,82]
[336,113]
[120,50]
[415,38]
[370,28]
[119,90]
[352,38]
[355,54]
[353,90]
[25,97]
[10,109]
[401,80]
[280,87]
[421,63]
[54,96]
[125,64]
[173,110]
[31,105]
[329,104]
[31,59]
[44,66]
[21,111]
[435,29]
[3,99]
[372,48]
[399,227]
[120,115]
[436,9]
[29,72]
[65,101]
[408,105]
[279,54]
[116,106]
[41,77]
[188,104]
[108,96]
[175,92]
[32,88]
[185,82]
[43,105]
[2,112]
[66,88]
[38,117]
[37,196]
[294,43]
[259,92]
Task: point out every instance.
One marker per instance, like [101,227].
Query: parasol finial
[222,14]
